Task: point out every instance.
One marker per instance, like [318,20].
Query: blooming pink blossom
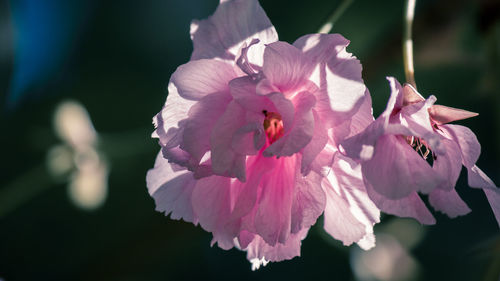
[249,136]
[410,148]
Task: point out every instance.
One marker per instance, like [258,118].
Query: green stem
[335,16]
[408,43]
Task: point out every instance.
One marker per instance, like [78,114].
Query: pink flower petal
[363,118]
[410,95]
[259,252]
[243,90]
[300,132]
[362,145]
[493,196]
[226,161]
[342,81]
[443,114]
[448,165]
[466,140]
[202,118]
[166,122]
[196,79]
[257,166]
[321,48]
[246,64]
[285,108]
[338,76]
[233,24]
[339,73]
[416,117]
[308,201]
[171,190]
[177,156]
[273,217]
[349,213]
[396,170]
[315,146]
[249,139]
[478,179]
[211,202]
[448,202]
[408,207]
[286,68]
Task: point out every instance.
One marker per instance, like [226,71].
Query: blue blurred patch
[45,32]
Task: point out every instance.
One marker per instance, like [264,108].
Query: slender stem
[408,43]
[335,16]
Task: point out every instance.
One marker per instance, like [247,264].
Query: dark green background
[118,67]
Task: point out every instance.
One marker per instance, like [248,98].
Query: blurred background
[80,81]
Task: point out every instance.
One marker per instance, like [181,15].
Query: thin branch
[408,43]
[335,16]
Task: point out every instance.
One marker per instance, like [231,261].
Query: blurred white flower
[78,159]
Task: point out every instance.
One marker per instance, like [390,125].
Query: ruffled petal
[196,79]
[349,213]
[260,253]
[448,202]
[338,75]
[171,190]
[168,121]
[233,24]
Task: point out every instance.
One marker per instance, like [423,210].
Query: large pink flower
[249,136]
[410,148]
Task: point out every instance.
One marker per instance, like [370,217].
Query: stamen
[421,147]
[273,125]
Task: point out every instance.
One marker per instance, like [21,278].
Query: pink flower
[410,148]
[249,137]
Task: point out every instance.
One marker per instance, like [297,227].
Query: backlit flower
[249,136]
[410,148]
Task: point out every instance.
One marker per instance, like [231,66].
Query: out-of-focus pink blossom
[249,137]
[410,148]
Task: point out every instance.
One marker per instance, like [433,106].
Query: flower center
[273,125]
[422,148]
